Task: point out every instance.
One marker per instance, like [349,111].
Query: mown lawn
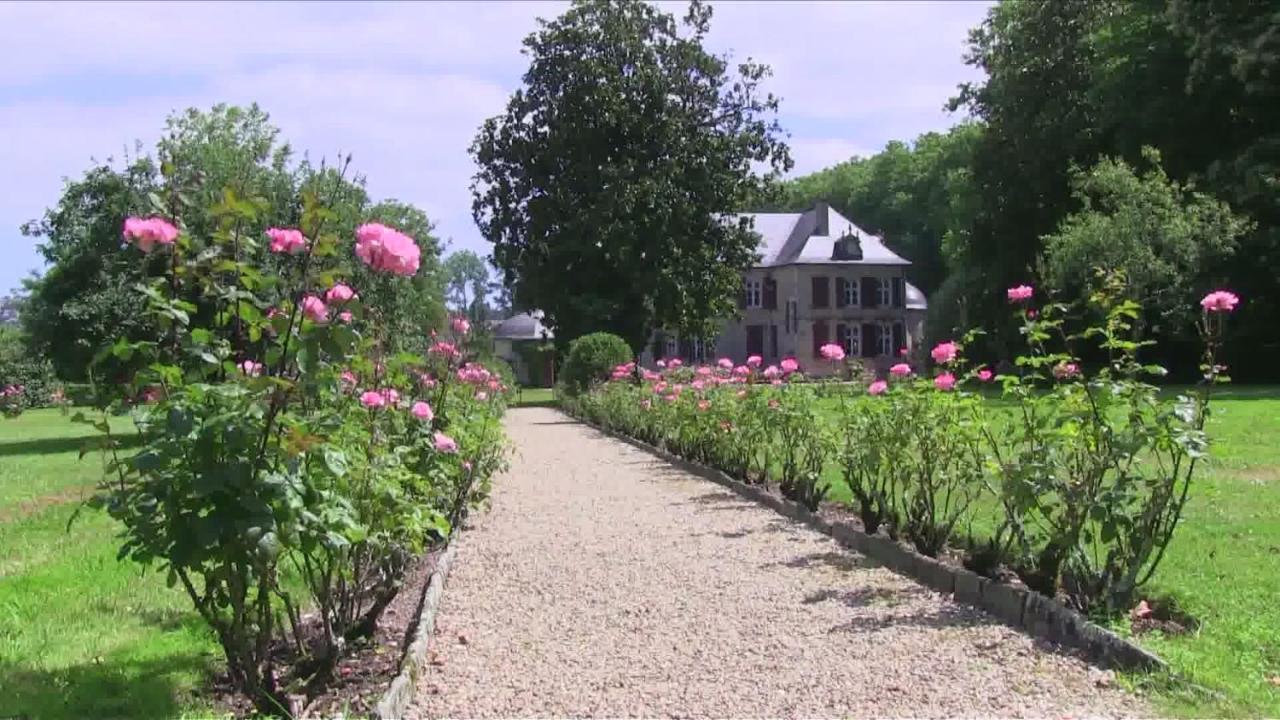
[1223,566]
[533,397]
[81,634]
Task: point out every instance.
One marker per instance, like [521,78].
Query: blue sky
[403,86]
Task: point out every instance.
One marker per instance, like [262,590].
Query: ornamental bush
[26,380]
[283,434]
[1089,472]
[591,359]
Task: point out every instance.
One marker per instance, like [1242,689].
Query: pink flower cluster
[147,233]
[622,371]
[944,353]
[445,444]
[251,368]
[315,309]
[1219,301]
[460,325]
[12,391]
[387,249]
[446,350]
[474,374]
[339,294]
[376,399]
[1021,293]
[831,352]
[287,240]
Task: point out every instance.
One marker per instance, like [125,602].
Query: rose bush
[281,434]
[1088,472]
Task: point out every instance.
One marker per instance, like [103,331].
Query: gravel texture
[604,582]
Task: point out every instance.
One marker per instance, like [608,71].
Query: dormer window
[848,247]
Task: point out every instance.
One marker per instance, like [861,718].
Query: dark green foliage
[604,183]
[19,366]
[591,359]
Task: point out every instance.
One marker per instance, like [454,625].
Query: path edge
[395,701]
[1025,610]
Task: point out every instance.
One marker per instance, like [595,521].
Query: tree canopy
[605,183]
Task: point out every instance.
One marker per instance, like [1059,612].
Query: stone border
[1021,608]
[395,701]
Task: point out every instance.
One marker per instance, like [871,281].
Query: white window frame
[755,293]
[852,344]
[672,347]
[851,297]
[884,292]
[886,338]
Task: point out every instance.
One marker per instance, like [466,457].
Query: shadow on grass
[109,687]
[52,446]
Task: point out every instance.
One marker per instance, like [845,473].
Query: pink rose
[149,232]
[348,378]
[1066,370]
[286,241]
[1219,301]
[944,353]
[662,363]
[391,395]
[755,361]
[373,399]
[445,444]
[903,352]
[725,363]
[832,352]
[674,363]
[251,368]
[945,381]
[460,325]
[482,396]
[339,294]
[314,308]
[704,405]
[345,317]
[703,370]
[985,375]
[742,371]
[790,365]
[422,411]
[1020,293]
[772,372]
[878,387]
[387,249]
[901,370]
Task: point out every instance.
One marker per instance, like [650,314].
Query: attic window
[848,247]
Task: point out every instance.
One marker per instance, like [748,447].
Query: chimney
[820,216]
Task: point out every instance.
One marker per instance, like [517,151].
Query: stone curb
[1023,609]
[395,701]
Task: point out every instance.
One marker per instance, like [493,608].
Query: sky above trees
[404,87]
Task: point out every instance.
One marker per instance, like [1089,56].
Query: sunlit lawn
[1223,566]
[81,634]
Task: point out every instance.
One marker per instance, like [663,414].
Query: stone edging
[395,701]
[1023,609]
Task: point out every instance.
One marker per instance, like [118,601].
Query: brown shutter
[899,336]
[840,286]
[819,336]
[770,294]
[898,292]
[869,343]
[773,341]
[869,288]
[820,292]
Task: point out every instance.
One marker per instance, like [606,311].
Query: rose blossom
[345,317]
[445,444]
[286,241]
[373,399]
[754,361]
[1020,293]
[314,308]
[901,369]
[251,368]
[460,325]
[387,249]
[1219,301]
[149,232]
[944,353]
[1066,370]
[790,365]
[771,372]
[945,381]
[339,294]
[662,363]
[391,395]
[674,363]
[985,375]
[878,387]
[422,411]
[832,352]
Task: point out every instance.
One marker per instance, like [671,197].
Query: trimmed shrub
[591,360]
[28,378]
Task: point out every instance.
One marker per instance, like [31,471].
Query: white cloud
[403,87]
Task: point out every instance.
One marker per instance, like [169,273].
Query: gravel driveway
[604,582]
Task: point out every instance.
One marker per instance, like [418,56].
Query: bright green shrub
[592,358]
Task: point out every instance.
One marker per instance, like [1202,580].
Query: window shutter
[899,336]
[841,335]
[869,288]
[899,292]
[869,339]
[819,335]
[770,294]
[686,350]
[840,288]
[773,341]
[820,292]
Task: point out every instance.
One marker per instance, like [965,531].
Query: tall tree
[604,185]
[467,278]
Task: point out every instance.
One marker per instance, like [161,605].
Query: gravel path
[604,582]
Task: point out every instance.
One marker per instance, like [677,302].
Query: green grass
[81,634]
[533,397]
[1223,566]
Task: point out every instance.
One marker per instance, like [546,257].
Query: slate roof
[525,326]
[796,238]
